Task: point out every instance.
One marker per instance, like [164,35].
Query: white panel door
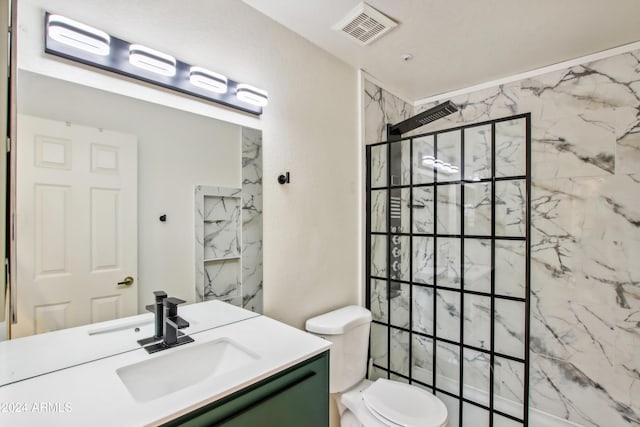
[76,225]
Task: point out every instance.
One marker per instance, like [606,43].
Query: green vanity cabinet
[298,396]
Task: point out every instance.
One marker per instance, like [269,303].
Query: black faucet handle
[172,302]
[177,322]
[151,308]
[160,295]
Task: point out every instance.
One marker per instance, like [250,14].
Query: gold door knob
[128,281]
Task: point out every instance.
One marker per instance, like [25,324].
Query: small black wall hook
[163,218]
[284,179]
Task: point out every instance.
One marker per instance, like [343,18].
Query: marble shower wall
[585,269]
[229,261]
[381,107]
[252,219]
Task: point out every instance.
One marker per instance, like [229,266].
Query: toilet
[364,403]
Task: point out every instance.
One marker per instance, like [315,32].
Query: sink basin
[183,367]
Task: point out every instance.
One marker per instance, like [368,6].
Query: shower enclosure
[448,267]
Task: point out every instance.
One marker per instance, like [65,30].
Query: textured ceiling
[460,43]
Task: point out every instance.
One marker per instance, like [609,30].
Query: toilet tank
[348,330]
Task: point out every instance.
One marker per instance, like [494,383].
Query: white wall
[176,152]
[310,128]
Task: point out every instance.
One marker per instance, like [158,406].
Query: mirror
[75,146]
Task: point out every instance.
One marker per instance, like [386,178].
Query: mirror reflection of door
[76,225]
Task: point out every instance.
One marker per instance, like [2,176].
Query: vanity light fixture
[81,43]
[152,60]
[78,35]
[252,95]
[208,80]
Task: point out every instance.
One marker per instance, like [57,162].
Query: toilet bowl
[380,403]
[385,403]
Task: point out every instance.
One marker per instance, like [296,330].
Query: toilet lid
[396,403]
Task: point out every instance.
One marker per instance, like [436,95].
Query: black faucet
[158,309]
[173,322]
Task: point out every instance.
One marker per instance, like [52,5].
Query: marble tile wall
[252,219]
[217,243]
[229,259]
[585,275]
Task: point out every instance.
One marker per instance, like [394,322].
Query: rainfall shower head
[428,116]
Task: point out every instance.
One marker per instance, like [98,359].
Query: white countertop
[38,354]
[93,394]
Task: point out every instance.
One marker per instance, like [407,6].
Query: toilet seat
[399,404]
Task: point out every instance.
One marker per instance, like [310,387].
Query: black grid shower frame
[492,295]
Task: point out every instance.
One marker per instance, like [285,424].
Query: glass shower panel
[422,208]
[400,352]
[422,309]
[510,275]
[448,315]
[477,153]
[400,306]
[511,200]
[379,345]
[508,386]
[379,256]
[477,321]
[448,262]
[476,374]
[378,166]
[447,367]
[509,328]
[475,416]
[379,304]
[423,160]
[379,211]
[477,209]
[422,359]
[448,209]
[448,156]
[423,257]
[448,259]
[511,145]
[477,265]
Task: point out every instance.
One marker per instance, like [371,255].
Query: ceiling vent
[364,24]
